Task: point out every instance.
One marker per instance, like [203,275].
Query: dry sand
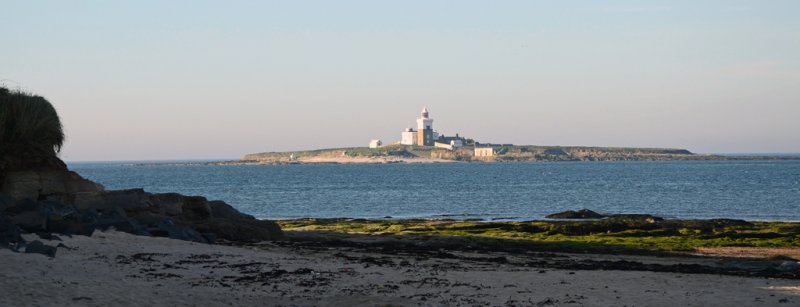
[114,268]
[749,252]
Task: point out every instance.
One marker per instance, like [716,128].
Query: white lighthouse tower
[425,129]
[424,121]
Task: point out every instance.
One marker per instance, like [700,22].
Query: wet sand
[113,268]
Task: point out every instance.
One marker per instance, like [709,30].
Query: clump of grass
[29,127]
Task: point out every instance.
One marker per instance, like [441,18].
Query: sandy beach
[115,268]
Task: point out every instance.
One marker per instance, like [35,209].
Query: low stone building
[409,137]
[484,151]
[453,145]
[375,144]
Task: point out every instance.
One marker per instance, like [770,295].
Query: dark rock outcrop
[39,194]
[49,201]
[37,247]
[580,214]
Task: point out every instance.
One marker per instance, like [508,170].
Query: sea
[750,190]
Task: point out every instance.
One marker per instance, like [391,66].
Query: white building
[409,137]
[453,145]
[424,135]
[375,144]
[484,152]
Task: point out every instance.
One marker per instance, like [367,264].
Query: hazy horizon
[182,80]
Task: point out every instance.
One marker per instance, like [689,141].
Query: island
[426,145]
[397,153]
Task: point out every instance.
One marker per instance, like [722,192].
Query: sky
[156,80]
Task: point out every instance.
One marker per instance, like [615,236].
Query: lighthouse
[425,129]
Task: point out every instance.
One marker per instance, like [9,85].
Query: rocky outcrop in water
[580,214]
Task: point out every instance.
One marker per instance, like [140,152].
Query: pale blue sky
[213,79]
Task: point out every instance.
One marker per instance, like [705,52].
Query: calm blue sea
[752,190]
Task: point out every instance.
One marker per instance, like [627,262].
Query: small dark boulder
[121,223]
[168,229]
[210,237]
[9,234]
[31,221]
[71,226]
[37,247]
[47,236]
[580,214]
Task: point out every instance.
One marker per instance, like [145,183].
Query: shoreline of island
[391,154]
[423,161]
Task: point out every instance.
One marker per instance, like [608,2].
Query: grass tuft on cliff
[30,128]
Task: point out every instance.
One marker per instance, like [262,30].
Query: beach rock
[47,236]
[34,216]
[580,214]
[789,266]
[31,221]
[25,184]
[39,184]
[170,203]
[196,208]
[220,209]
[6,202]
[72,226]
[9,234]
[210,237]
[129,200]
[21,206]
[241,230]
[37,247]
[121,223]
[167,228]
[61,201]
[60,217]
[38,193]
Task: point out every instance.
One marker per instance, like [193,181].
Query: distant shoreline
[488,154]
[228,161]
[406,161]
